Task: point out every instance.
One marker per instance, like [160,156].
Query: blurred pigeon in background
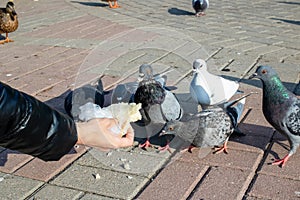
[208,89]
[82,95]
[200,6]
[209,128]
[159,105]
[124,92]
[281,108]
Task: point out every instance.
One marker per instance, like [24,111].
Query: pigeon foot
[116,5]
[146,144]
[199,14]
[281,162]
[165,148]
[221,149]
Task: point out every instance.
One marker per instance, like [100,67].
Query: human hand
[99,133]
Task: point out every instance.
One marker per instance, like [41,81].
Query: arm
[30,126]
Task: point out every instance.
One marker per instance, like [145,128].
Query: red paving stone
[290,170]
[39,170]
[10,160]
[272,187]
[223,183]
[246,159]
[176,181]
[257,138]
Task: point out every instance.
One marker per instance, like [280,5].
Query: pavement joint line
[260,165]
[151,62]
[250,68]
[189,72]
[223,68]
[206,171]
[43,67]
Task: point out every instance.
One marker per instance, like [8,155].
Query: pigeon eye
[264,71]
[171,129]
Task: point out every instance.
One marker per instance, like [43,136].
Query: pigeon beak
[163,132]
[254,75]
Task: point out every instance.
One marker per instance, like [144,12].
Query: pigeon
[208,89]
[211,127]
[82,95]
[281,108]
[159,105]
[200,6]
[124,92]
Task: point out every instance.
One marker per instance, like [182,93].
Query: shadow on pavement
[96,4]
[289,2]
[177,11]
[295,22]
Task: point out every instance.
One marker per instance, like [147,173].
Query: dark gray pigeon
[200,6]
[82,95]
[281,108]
[159,105]
[209,128]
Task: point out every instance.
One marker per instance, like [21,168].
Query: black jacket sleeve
[30,126]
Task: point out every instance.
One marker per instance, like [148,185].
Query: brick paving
[61,45]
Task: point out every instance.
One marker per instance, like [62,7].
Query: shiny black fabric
[30,126]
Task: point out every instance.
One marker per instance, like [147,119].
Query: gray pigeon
[209,128]
[208,89]
[200,6]
[159,105]
[82,95]
[281,108]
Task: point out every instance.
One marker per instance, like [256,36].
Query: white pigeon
[208,89]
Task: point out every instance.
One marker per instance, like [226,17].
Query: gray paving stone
[15,187]
[57,193]
[122,161]
[110,183]
[95,197]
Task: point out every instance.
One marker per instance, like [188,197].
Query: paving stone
[223,183]
[235,158]
[110,183]
[271,187]
[239,40]
[57,193]
[95,197]
[279,150]
[122,161]
[44,171]
[176,181]
[11,160]
[15,187]
[257,138]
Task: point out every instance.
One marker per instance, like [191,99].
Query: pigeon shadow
[295,22]
[176,11]
[289,2]
[95,4]
[293,87]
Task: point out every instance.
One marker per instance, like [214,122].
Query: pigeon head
[264,73]
[149,93]
[199,64]
[145,72]
[171,128]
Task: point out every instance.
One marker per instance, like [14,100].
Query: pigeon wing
[171,108]
[293,119]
